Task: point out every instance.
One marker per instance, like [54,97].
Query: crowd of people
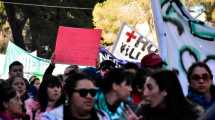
[148,91]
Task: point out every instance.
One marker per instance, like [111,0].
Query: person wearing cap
[152,61]
[149,63]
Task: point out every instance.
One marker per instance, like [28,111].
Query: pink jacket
[33,109]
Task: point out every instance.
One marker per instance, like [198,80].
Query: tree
[2,15]
[110,15]
[44,22]
[17,20]
[4,29]
[208,4]
[39,25]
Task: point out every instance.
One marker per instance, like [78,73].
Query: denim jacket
[200,99]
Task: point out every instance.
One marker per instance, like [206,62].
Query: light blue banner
[32,65]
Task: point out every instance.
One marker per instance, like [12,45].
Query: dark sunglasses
[84,92]
[203,76]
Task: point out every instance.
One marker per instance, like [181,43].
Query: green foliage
[2,15]
[4,29]
[208,4]
[40,24]
[44,22]
[110,15]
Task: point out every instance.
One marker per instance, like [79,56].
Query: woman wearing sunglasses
[201,89]
[80,91]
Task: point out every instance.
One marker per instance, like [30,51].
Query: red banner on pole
[78,46]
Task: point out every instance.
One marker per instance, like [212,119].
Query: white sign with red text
[131,45]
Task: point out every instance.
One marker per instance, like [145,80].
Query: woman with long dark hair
[50,96]
[164,99]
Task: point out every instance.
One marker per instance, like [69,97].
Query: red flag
[78,46]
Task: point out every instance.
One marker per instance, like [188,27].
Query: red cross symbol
[130,36]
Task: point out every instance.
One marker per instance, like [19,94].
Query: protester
[80,91]
[49,70]
[35,81]
[137,85]
[136,93]
[19,84]
[50,96]
[32,78]
[16,69]
[70,70]
[10,102]
[91,72]
[115,93]
[201,88]
[103,68]
[106,66]
[34,87]
[132,67]
[152,61]
[164,99]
